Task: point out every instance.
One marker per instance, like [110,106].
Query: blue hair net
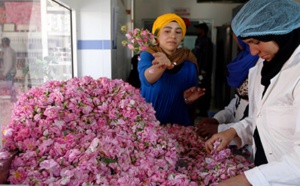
[266,17]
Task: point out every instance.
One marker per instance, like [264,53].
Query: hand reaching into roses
[192,94]
[224,137]
[239,180]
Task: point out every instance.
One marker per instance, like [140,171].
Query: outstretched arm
[159,65]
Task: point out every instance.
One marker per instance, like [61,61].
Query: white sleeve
[243,129]
[223,127]
[277,173]
[227,114]
[286,169]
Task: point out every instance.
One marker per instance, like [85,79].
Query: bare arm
[160,64]
[239,180]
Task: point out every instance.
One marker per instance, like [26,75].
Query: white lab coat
[232,113]
[277,117]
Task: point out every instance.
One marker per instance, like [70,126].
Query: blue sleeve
[145,62]
[192,75]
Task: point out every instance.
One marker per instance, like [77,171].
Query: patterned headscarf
[164,19]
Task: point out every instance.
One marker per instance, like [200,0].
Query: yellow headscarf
[164,19]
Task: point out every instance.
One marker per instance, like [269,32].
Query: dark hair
[5,40]
[202,26]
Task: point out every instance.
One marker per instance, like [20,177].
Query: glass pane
[59,41]
[35,47]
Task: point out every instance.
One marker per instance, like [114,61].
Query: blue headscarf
[239,67]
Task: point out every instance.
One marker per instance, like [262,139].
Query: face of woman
[170,37]
[266,50]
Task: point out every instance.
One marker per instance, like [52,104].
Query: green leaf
[156,32]
[108,160]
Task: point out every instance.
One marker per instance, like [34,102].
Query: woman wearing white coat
[272,30]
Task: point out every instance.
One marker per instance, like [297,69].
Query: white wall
[94,24]
[96,28]
[219,12]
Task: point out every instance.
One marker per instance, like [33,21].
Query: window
[39,34]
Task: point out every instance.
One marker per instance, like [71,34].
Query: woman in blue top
[168,73]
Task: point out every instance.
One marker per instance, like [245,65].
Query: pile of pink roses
[102,132]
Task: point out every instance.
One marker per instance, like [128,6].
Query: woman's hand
[159,65]
[162,60]
[207,127]
[192,94]
[239,180]
[225,137]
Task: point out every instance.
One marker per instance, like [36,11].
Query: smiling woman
[169,74]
